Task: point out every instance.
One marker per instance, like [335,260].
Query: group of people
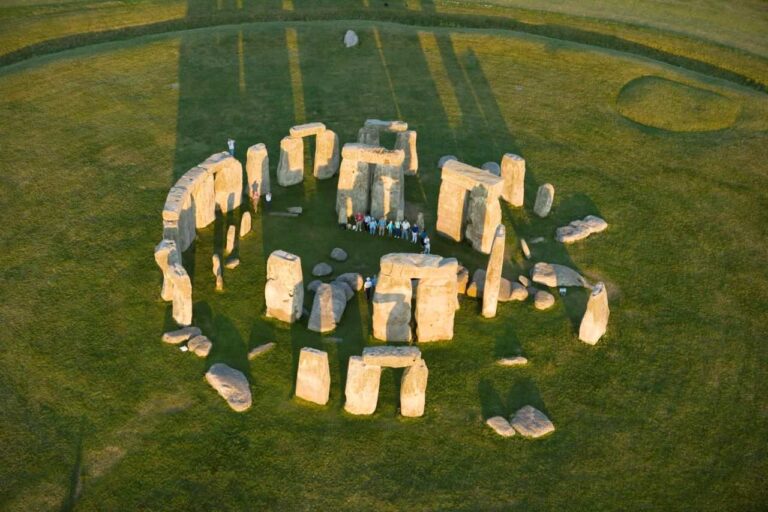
[396,229]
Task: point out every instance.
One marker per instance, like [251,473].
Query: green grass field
[667,412]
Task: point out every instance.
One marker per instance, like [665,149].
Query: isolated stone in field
[362,389]
[353,279]
[327,308]
[232,263]
[501,426]
[554,275]
[231,232]
[245,224]
[290,168]
[462,280]
[512,361]
[350,39]
[595,319]
[444,159]
[524,247]
[390,356]
[231,384]
[544,198]
[261,349]
[492,167]
[284,291]
[314,285]
[181,335]
[339,254]
[580,229]
[295,210]
[313,380]
[407,142]
[200,345]
[531,422]
[493,273]
[413,389]
[513,174]
[257,171]
[322,269]
[543,300]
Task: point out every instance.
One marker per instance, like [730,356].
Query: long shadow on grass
[523,391]
[74,484]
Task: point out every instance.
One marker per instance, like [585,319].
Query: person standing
[427,245]
[268,200]
[255,196]
[382,226]
[390,227]
[358,221]
[406,229]
[231,146]
[415,234]
[397,229]
[367,287]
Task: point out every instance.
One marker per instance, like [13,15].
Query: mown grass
[668,411]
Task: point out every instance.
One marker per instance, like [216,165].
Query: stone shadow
[523,391]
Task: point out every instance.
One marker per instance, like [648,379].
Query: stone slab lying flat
[181,335]
[231,384]
[554,275]
[390,356]
[261,349]
[307,129]
[501,426]
[512,361]
[531,422]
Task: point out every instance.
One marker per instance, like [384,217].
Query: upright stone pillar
[182,295]
[513,174]
[483,215]
[353,190]
[450,210]
[290,168]
[407,142]
[326,155]
[595,320]
[413,389]
[493,273]
[313,379]
[544,198]
[386,191]
[436,305]
[166,255]
[368,135]
[204,199]
[228,184]
[257,170]
[362,390]
[392,309]
[284,291]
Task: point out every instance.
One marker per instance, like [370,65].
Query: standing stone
[444,159]
[228,181]
[531,422]
[392,309]
[492,167]
[362,390]
[350,39]
[484,214]
[231,232]
[327,308]
[284,291]
[493,273]
[544,198]
[462,280]
[326,155]
[231,384]
[368,135]
[245,224]
[313,380]
[450,210]
[513,174]
[203,196]
[595,319]
[353,190]
[182,295]
[257,170]
[166,256]
[216,268]
[413,390]
[290,168]
[407,142]
[436,307]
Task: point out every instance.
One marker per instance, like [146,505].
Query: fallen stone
[526,250]
[327,308]
[344,287]
[231,232]
[350,39]
[543,300]
[339,254]
[462,280]
[322,269]
[245,224]
[200,345]
[444,159]
[362,389]
[231,384]
[537,240]
[580,229]
[296,210]
[232,263]
[314,285]
[512,361]
[283,214]
[595,320]
[181,335]
[391,356]
[333,339]
[509,291]
[475,288]
[261,349]
[492,167]
[554,275]
[544,198]
[353,279]
[524,280]
[413,389]
[501,426]
[531,422]
[313,380]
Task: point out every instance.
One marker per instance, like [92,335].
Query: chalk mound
[674,106]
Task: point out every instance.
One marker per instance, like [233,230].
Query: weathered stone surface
[306,129]
[483,215]
[231,384]
[537,240]
[216,269]
[493,273]
[245,224]
[392,309]
[353,279]
[203,197]
[290,168]
[413,389]
[386,126]
[181,335]
[475,288]
[284,291]
[524,247]
[492,167]
[231,232]
[350,39]
[524,280]
[501,426]
[314,285]
[200,345]
[509,291]
[387,191]
[595,319]
[543,300]
[228,180]
[468,177]
[326,155]
[261,349]
[368,135]
[313,380]
[353,190]
[373,154]
[257,170]
[450,211]
[232,263]
[327,308]
[339,254]
[512,361]
[407,142]
[182,295]
[513,174]
[435,308]
[544,198]
[362,389]
[167,255]
[391,356]
[531,422]
[462,280]
[554,275]
[322,269]
[344,287]
[444,159]
[296,210]
[580,229]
